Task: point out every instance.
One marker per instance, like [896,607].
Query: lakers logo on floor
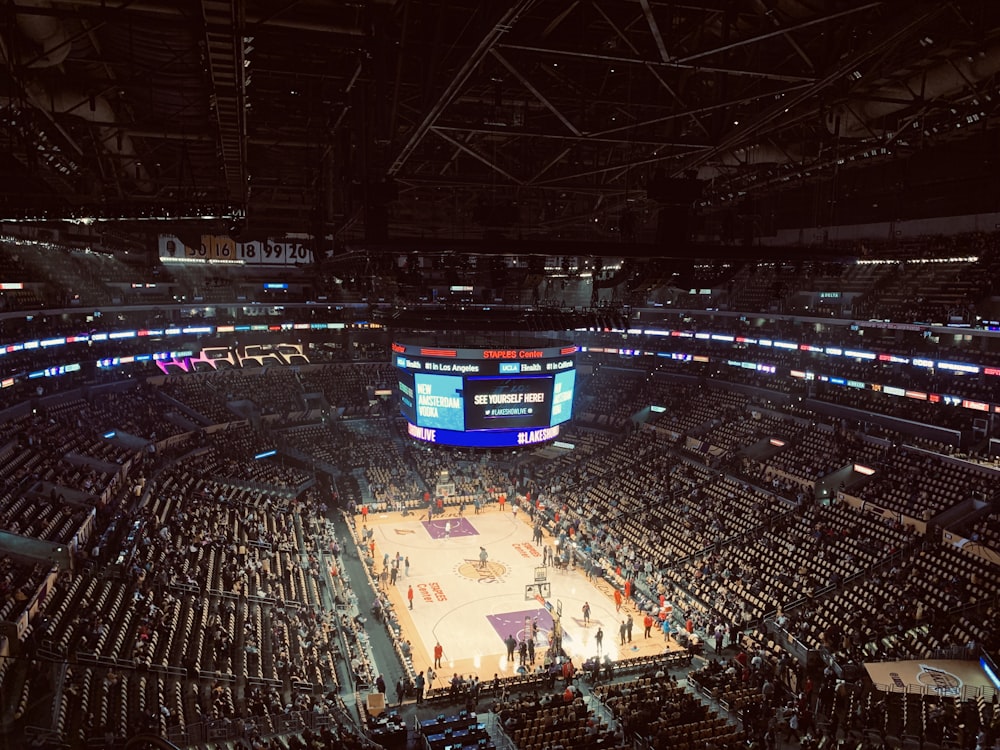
[489,572]
[941,681]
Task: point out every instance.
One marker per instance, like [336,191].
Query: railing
[44,737]
[602,712]
[230,730]
[965,692]
[264,600]
[112,662]
[792,644]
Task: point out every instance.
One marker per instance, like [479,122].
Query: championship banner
[949,678]
[219,249]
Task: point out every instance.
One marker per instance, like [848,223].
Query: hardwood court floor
[471,608]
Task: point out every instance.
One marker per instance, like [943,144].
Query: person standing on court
[628,627]
[511,647]
[409,596]
[586,613]
[438,653]
[418,687]
[618,600]
[647,623]
[599,639]
[622,630]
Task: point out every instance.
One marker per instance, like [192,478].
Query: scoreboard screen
[487,398]
[439,401]
[503,401]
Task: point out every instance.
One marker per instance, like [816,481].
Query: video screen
[439,401]
[501,402]
[485,398]
[562,397]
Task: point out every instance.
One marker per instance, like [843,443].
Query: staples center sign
[470,354]
[513,353]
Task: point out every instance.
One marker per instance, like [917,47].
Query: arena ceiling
[370,121]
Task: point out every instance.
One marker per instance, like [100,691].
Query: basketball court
[471,606]
[949,678]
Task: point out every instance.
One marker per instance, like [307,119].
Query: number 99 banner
[221,249]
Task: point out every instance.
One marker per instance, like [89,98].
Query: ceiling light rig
[100,214]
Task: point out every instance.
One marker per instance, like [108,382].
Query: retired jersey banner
[949,678]
[220,249]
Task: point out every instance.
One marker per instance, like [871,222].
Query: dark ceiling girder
[468,181]
[701,110]
[534,91]
[654,29]
[582,138]
[778,32]
[556,22]
[761,57]
[551,51]
[746,133]
[174,135]
[502,246]
[224,50]
[477,156]
[652,70]
[67,42]
[502,26]
[614,167]
[175,9]
[551,163]
[770,13]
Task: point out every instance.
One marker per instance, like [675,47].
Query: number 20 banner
[222,249]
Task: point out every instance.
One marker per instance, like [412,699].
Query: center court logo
[491,572]
[941,681]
